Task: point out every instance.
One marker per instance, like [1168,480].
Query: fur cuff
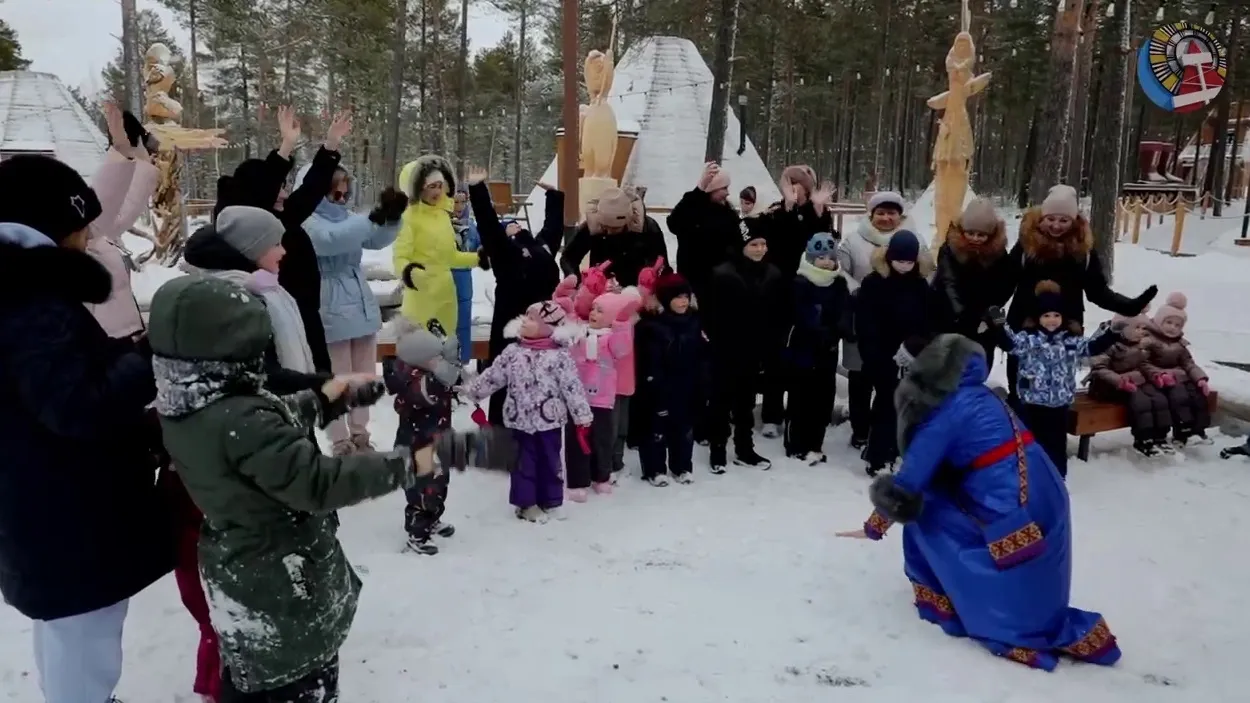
[896,504]
[406,275]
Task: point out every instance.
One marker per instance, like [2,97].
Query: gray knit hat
[250,231]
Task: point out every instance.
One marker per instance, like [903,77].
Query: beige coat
[1123,360]
[1171,356]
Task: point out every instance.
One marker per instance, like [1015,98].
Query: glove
[1143,301]
[583,438]
[483,261]
[362,395]
[479,416]
[391,206]
[995,316]
[1204,387]
[1127,385]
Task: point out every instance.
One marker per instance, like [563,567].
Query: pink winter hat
[548,314]
[1173,306]
[619,307]
[719,182]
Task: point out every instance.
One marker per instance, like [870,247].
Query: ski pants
[79,658]
[1050,430]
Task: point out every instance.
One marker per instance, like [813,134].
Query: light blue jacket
[349,309]
[467,240]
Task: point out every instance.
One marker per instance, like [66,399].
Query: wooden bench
[1087,417]
[481,350]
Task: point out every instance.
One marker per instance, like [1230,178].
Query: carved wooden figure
[598,121]
[953,149]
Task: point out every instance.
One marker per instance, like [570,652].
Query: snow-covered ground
[735,589]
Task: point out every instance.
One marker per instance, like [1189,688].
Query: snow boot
[577,495]
[443,529]
[602,489]
[748,457]
[770,431]
[555,512]
[716,459]
[658,480]
[1239,450]
[422,545]
[532,514]
[684,478]
[1145,447]
[859,442]
[813,458]
[873,469]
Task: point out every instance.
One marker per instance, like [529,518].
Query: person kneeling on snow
[422,377]
[281,593]
[1049,352]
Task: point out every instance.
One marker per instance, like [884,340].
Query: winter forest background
[839,84]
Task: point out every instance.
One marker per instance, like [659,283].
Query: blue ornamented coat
[1049,361]
[987,543]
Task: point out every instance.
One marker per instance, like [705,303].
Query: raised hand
[476,175]
[339,128]
[288,127]
[789,193]
[117,130]
[709,172]
[547,186]
[823,196]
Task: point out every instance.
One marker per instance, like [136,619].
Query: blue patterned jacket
[1049,361]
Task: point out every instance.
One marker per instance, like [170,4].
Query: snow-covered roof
[1187,154]
[38,113]
[663,88]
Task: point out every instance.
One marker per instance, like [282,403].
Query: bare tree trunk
[1108,147]
[1054,122]
[1081,94]
[133,94]
[399,43]
[462,154]
[1219,149]
[714,146]
[422,88]
[247,110]
[881,62]
[194,99]
[439,95]
[1233,170]
[567,169]
[519,102]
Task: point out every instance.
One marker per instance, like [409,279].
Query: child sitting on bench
[1171,368]
[1116,376]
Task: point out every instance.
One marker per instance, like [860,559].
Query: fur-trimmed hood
[412,176]
[947,363]
[1038,245]
[564,334]
[637,214]
[32,266]
[924,263]
[994,248]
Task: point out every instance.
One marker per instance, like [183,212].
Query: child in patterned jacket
[1049,352]
[543,392]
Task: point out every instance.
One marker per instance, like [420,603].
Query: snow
[37,113]
[663,89]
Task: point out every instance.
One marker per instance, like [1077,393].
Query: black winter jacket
[83,524]
[707,234]
[257,183]
[822,319]
[672,363]
[968,283]
[525,266]
[889,309]
[630,252]
[741,314]
[787,232]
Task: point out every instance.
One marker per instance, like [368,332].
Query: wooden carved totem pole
[953,149]
[597,125]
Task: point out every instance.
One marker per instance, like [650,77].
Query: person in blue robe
[987,534]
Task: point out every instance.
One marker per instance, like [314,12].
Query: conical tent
[663,88]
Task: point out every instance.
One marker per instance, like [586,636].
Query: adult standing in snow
[349,310]
[706,228]
[467,239]
[987,536]
[260,184]
[425,252]
[124,183]
[1057,244]
[856,252]
[83,524]
[973,274]
[525,267]
[616,229]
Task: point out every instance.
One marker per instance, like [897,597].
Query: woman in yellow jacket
[425,250]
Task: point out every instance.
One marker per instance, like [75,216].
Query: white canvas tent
[39,115]
[663,87]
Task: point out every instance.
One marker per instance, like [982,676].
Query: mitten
[1160,380]
[479,416]
[995,316]
[1204,386]
[362,395]
[1127,385]
[391,206]
[483,261]
[583,438]
[406,275]
[1143,301]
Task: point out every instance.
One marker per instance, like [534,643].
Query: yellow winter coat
[425,250]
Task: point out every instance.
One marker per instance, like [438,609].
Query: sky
[76,39]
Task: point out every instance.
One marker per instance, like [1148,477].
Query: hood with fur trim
[637,215]
[414,173]
[31,266]
[564,334]
[992,250]
[924,262]
[939,370]
[1039,246]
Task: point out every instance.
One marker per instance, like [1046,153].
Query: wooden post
[1137,213]
[1181,209]
[567,169]
[1119,216]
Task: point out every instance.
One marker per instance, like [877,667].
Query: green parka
[281,593]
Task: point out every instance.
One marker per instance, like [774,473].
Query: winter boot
[716,459]
[555,512]
[859,442]
[770,431]
[1164,445]
[1145,447]
[658,480]
[813,458]
[1239,450]
[602,489]
[577,495]
[685,478]
[532,514]
[748,457]
[443,529]
[873,469]
[422,545]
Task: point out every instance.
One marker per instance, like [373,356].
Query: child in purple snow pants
[537,479]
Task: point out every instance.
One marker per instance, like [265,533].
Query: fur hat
[548,314]
[614,208]
[425,348]
[979,216]
[904,246]
[802,175]
[820,245]
[1062,200]
[1173,306]
[887,199]
[1047,298]
[46,195]
[670,286]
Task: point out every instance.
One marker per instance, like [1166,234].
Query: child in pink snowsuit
[602,344]
[543,391]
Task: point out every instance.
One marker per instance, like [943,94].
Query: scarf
[876,237]
[332,211]
[593,335]
[816,275]
[538,343]
[184,386]
[289,338]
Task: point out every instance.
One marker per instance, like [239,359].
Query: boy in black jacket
[893,305]
[671,352]
[821,319]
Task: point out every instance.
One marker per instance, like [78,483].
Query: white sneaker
[658,481]
[814,458]
[556,513]
[532,514]
[684,478]
[771,431]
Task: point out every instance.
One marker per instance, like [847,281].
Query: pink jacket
[124,187]
[598,354]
